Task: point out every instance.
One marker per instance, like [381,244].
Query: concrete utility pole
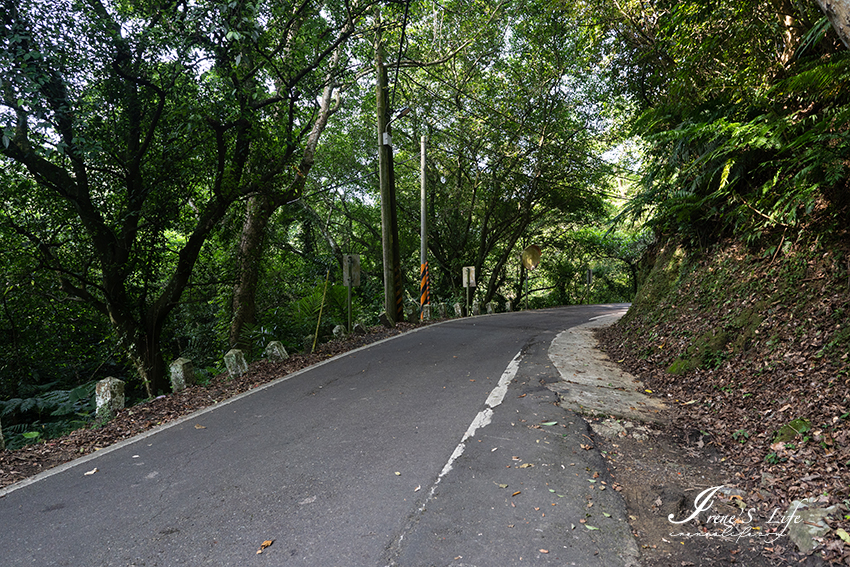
[389,220]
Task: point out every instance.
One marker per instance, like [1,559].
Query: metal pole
[349,308]
[424,286]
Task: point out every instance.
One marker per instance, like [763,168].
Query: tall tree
[143,124]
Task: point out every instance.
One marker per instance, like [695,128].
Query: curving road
[422,450]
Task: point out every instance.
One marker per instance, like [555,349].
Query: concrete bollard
[339,332]
[476,310]
[458,310]
[491,307]
[182,374]
[234,360]
[275,351]
[109,397]
[508,306]
[426,312]
[358,329]
[441,310]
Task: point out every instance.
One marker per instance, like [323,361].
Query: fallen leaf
[417,488]
[521,396]
[199,426]
[843,534]
[588,526]
[517,492]
[397,473]
[91,472]
[526,465]
[550,423]
[544,551]
[503,486]
[264,545]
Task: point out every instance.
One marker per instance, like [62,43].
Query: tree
[142,125]
[743,122]
[505,159]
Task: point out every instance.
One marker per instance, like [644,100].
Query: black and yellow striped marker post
[424,288]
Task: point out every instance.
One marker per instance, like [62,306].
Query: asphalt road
[407,452]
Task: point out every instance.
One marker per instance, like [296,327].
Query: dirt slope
[751,349]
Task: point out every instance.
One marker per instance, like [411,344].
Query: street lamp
[388,139]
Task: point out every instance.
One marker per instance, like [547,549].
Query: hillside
[750,348]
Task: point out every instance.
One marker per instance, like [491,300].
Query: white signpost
[468,282]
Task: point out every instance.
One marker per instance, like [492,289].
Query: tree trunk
[838,12]
[142,348]
[259,210]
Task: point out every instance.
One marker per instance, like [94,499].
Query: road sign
[351,270]
[469,276]
[531,257]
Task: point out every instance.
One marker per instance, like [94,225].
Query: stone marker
[426,312]
[339,331]
[508,306]
[234,360]
[182,374]
[476,310]
[385,321]
[458,310]
[275,351]
[441,310]
[2,442]
[358,329]
[109,397]
[491,307]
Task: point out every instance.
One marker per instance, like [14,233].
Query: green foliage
[46,415]
[742,105]
[741,436]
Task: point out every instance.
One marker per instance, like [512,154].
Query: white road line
[481,420]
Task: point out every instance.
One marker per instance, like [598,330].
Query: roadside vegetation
[179,179]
